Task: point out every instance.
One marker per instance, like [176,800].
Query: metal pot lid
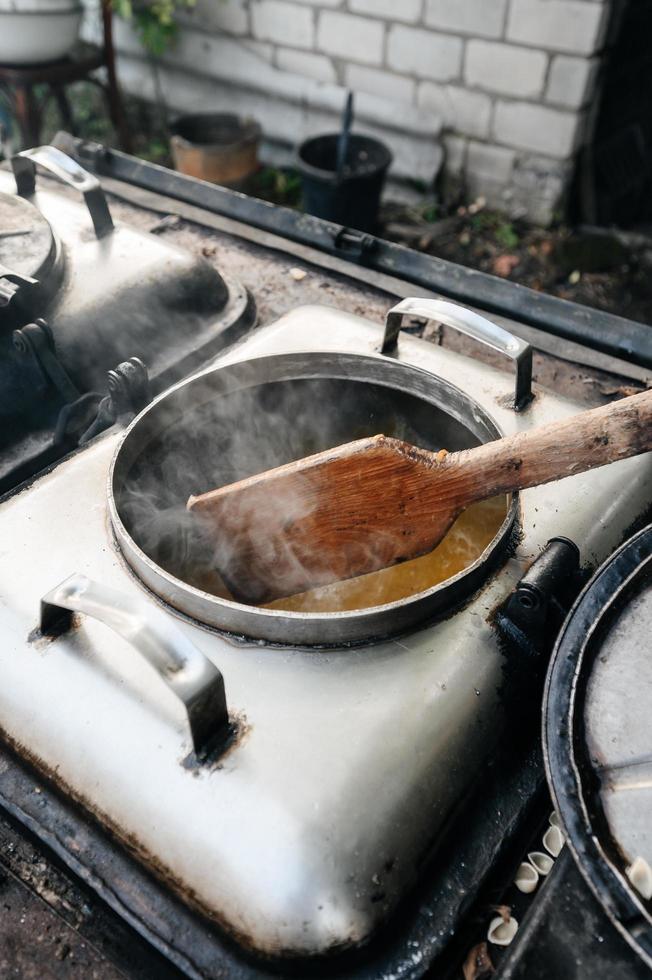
[187,408]
[598,737]
[27,249]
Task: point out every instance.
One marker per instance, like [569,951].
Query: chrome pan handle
[193,677]
[69,172]
[471,324]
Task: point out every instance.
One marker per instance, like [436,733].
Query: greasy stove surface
[104,300]
[296,838]
[279,284]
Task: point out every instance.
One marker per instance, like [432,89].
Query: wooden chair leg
[65,111]
[116,112]
[116,108]
[27,115]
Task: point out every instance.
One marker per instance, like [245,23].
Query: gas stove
[306,828]
[286,790]
[85,306]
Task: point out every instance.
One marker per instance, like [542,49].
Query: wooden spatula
[378,501]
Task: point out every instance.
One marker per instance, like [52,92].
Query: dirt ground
[606,269]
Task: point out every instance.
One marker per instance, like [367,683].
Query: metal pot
[232,421]
[596,736]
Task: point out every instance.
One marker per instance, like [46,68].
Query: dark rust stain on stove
[213,760]
[53,782]
[132,846]
[40,641]
[507,401]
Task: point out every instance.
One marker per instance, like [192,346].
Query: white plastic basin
[33,36]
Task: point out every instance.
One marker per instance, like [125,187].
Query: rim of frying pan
[570,770]
[286,627]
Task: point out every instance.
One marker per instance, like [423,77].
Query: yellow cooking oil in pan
[467,539]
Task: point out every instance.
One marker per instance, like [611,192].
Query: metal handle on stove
[471,324]
[187,672]
[68,171]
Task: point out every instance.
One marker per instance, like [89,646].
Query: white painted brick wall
[461,110]
[534,127]
[571,80]
[479,18]
[387,84]
[423,53]
[284,23]
[350,36]
[408,11]
[229,16]
[536,187]
[455,148]
[494,162]
[505,68]
[261,49]
[306,63]
[509,80]
[575,26]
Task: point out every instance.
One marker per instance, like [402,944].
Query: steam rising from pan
[250,416]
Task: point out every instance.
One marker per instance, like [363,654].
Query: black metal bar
[601,331]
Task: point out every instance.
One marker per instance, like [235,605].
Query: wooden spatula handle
[576,444]
[376,501]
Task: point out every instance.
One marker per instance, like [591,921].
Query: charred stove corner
[86,305]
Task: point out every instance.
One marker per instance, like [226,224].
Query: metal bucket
[219,147]
[232,421]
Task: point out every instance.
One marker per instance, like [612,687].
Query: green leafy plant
[278,186]
[506,236]
[153,20]
[430,212]
[483,221]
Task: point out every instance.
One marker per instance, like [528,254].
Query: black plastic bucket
[354,199]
